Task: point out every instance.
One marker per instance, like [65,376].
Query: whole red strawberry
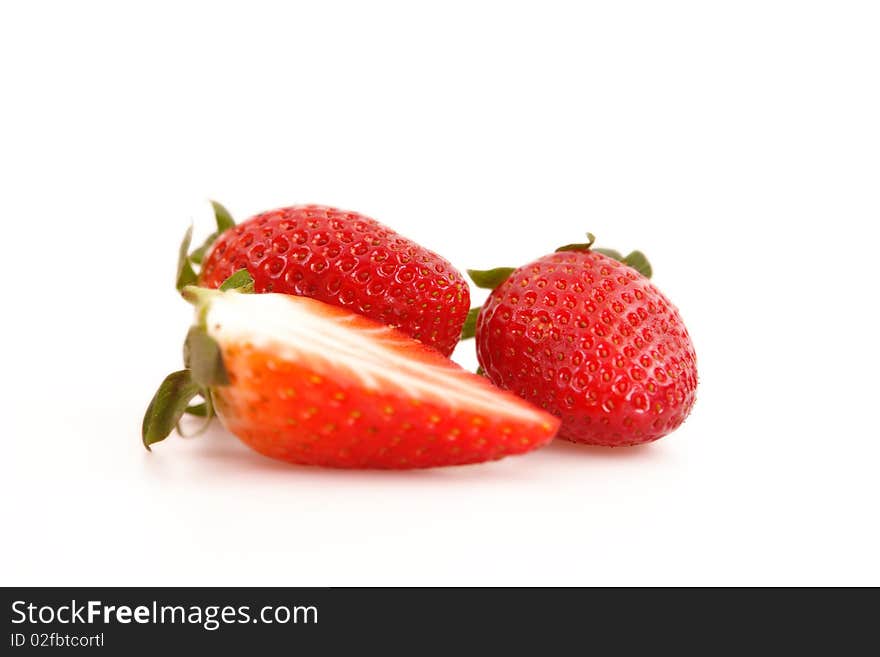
[302,381]
[342,258]
[591,340]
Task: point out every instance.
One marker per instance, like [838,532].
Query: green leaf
[224,222]
[198,255]
[611,253]
[583,246]
[241,281]
[204,410]
[638,261]
[480,371]
[202,355]
[185,274]
[199,410]
[489,279]
[167,406]
[469,329]
[222,217]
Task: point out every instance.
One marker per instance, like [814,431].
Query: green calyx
[240,280]
[188,261]
[582,246]
[168,406]
[469,329]
[489,279]
[638,261]
[635,259]
[202,357]
[204,368]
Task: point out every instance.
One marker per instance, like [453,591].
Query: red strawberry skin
[348,260]
[305,401]
[593,342]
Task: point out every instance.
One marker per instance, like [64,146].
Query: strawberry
[342,258]
[583,334]
[303,381]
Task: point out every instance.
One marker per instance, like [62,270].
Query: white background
[737,143]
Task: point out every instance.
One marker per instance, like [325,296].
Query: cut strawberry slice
[306,382]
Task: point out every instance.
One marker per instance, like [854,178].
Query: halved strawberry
[306,382]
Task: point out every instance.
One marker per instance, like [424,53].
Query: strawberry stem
[198,296]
